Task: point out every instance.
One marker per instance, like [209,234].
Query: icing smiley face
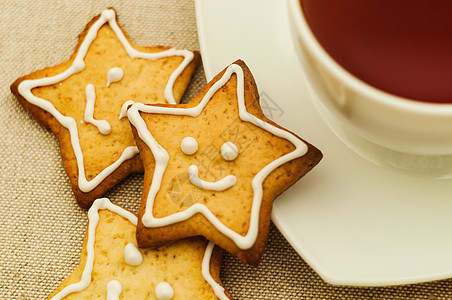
[229,152]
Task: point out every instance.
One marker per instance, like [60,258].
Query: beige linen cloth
[42,228]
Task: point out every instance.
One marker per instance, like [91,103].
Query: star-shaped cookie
[112,267]
[214,166]
[83,101]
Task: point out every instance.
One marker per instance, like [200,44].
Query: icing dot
[189,145]
[229,151]
[164,291]
[114,75]
[114,289]
[132,255]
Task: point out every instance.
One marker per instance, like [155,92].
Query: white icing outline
[219,185]
[78,65]
[162,157]
[102,125]
[218,289]
[93,217]
[124,108]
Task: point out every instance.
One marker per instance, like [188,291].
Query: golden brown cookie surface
[111,263]
[81,101]
[214,166]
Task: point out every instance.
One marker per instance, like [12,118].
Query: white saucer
[353,222]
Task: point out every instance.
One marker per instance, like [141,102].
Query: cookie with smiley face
[82,101]
[214,166]
[112,267]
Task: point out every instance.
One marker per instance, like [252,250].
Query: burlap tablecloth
[42,228]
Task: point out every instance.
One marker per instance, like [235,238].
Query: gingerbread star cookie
[214,166]
[83,101]
[112,267]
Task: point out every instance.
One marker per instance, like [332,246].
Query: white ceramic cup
[386,129]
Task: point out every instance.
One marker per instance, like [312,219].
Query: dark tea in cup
[403,47]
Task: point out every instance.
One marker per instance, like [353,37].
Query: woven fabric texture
[42,228]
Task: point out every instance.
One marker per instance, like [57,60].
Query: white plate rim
[278,216]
